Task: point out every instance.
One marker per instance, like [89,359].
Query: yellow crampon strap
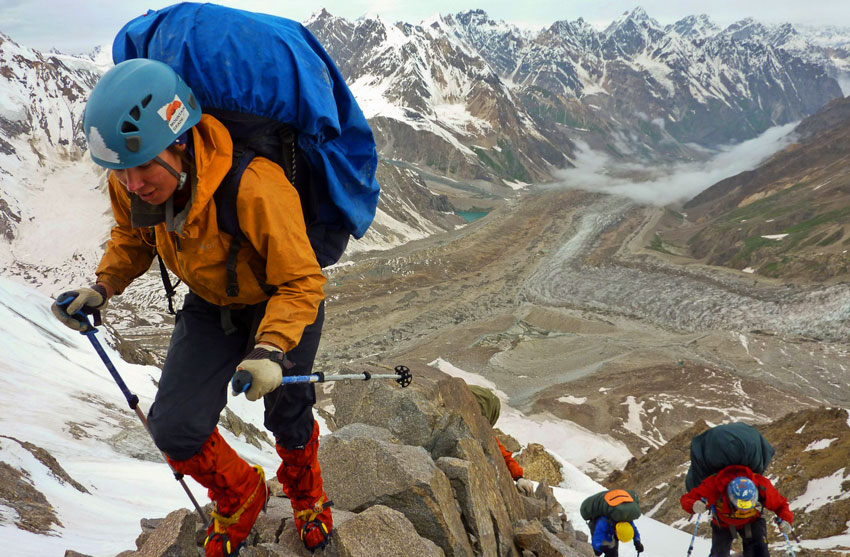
[221,523]
[309,516]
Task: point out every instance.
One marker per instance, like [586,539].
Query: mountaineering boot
[239,492]
[301,478]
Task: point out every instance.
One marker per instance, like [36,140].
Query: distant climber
[610,515]
[734,495]
[491,407]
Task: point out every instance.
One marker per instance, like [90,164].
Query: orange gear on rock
[239,492]
[301,478]
[513,466]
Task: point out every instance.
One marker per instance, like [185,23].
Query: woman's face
[150,181]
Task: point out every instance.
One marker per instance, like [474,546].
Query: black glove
[597,553]
[638,546]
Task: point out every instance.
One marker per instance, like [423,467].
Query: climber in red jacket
[736,496]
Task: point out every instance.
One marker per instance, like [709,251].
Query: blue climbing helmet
[136,110]
[742,493]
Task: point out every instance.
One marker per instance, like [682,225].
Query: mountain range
[487,100]
[490,105]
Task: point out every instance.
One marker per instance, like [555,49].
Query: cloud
[595,171]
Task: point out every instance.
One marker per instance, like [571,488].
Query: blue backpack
[270,82]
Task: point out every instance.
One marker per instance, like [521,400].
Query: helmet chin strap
[181,176]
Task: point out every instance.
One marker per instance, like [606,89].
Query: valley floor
[555,298]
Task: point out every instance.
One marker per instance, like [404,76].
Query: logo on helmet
[175,114]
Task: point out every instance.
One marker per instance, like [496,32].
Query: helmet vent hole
[135,113]
[146,101]
[192,102]
[127,127]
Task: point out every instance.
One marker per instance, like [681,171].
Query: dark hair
[183,154]
[187,161]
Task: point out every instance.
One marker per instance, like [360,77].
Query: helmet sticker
[175,113]
[99,148]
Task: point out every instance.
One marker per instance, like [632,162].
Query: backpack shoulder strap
[225,197]
[227,192]
[228,220]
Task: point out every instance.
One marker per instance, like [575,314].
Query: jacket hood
[730,473]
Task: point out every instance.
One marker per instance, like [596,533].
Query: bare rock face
[444,412]
[538,465]
[480,502]
[507,441]
[534,537]
[380,530]
[362,467]
[173,536]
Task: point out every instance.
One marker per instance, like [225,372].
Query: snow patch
[820,445]
[573,399]
[820,492]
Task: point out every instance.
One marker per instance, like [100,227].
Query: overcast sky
[78,26]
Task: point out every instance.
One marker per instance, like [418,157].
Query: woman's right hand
[88,300]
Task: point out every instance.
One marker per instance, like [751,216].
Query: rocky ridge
[411,471]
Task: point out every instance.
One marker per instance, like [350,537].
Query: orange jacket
[277,252]
[513,466]
[713,490]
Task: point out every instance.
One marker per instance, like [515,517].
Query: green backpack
[725,445]
[620,505]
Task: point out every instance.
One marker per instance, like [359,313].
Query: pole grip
[241,381]
[64,300]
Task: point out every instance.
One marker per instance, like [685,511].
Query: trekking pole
[694,536]
[790,547]
[132,399]
[241,381]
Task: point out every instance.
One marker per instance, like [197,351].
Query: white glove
[265,364]
[525,486]
[699,507]
[785,526]
[87,300]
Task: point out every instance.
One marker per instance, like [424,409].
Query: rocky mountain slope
[42,155]
[786,219]
[41,107]
[809,469]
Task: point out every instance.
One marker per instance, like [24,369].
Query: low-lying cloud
[596,171]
